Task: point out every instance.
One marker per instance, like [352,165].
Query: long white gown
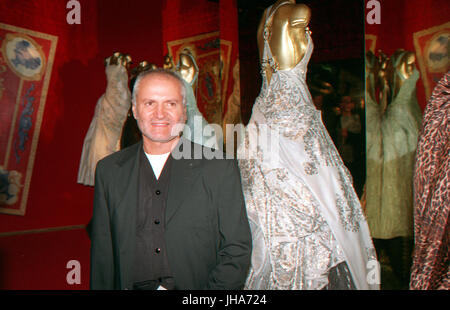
[305,216]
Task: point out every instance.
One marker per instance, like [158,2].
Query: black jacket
[207,232]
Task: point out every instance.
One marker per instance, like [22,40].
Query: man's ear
[133,109]
[185,114]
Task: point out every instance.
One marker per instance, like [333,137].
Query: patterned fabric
[431,263]
[304,213]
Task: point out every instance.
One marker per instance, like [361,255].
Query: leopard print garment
[431,263]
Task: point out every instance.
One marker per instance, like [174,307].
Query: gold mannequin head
[285,32]
[400,67]
[118,58]
[187,67]
[143,66]
[168,62]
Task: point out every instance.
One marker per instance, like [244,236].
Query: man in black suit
[164,222]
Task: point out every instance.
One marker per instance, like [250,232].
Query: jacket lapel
[125,211]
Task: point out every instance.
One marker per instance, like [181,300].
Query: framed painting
[26,60]
[212,55]
[432,47]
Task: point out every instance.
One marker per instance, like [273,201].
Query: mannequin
[286,35]
[103,136]
[307,224]
[188,69]
[393,127]
[400,68]
[168,63]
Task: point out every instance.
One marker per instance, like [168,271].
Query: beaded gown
[391,147]
[308,228]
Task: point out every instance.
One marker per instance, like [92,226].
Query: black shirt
[151,263]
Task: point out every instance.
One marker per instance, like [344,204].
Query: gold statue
[285,34]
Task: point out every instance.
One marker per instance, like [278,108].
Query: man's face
[159,108]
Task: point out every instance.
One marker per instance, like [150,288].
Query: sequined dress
[391,148]
[305,217]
